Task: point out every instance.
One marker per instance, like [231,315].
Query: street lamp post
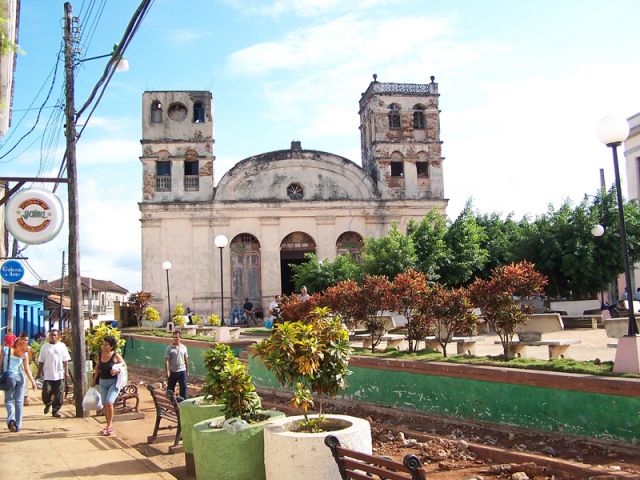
[612,132]
[221,241]
[597,231]
[166,266]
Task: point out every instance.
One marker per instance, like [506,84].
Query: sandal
[107,431]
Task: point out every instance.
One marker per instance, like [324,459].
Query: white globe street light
[612,132]
[221,241]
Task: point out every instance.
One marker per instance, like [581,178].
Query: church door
[292,251]
[245,271]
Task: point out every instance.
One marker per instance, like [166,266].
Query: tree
[407,291]
[388,255]
[449,311]
[466,257]
[428,237]
[372,299]
[294,309]
[342,298]
[499,298]
[140,301]
[501,240]
[318,275]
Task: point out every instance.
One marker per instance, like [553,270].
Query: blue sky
[523,86]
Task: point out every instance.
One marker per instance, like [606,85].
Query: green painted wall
[151,355]
[570,412]
[594,415]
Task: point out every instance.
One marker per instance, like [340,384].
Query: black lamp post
[167,266]
[612,132]
[221,241]
[597,231]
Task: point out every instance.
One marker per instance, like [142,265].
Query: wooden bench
[530,335]
[393,340]
[127,394]
[354,465]
[464,345]
[166,403]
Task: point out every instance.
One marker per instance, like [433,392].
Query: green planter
[190,414]
[222,455]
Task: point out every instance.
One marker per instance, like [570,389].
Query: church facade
[277,206]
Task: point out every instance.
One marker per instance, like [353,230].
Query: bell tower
[177,146]
[400,136]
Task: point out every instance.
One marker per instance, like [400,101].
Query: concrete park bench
[616,328]
[530,335]
[464,345]
[393,340]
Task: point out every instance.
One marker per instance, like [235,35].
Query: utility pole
[11,292]
[75,286]
[61,317]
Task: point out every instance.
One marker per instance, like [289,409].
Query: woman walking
[17,372]
[106,376]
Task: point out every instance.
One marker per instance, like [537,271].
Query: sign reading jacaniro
[34,216]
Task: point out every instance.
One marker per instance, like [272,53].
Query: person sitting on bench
[249,312]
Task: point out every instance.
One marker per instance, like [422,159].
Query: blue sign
[12,271]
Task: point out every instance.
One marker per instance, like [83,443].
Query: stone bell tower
[400,135]
[177,145]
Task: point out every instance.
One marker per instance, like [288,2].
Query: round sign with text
[34,216]
[12,271]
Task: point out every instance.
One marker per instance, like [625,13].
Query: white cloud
[184,37]
[108,152]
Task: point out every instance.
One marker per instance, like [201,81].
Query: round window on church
[177,112]
[295,191]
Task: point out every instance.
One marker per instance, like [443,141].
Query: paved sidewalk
[68,447]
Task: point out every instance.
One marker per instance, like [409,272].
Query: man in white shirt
[53,369]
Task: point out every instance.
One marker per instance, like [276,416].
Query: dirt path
[449,450]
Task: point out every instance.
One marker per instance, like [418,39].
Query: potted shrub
[152,316]
[179,317]
[197,409]
[309,357]
[231,446]
[213,320]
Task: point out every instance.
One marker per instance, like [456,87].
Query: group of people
[53,370]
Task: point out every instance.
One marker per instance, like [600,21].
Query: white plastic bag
[92,400]
[233,425]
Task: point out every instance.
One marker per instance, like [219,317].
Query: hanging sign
[12,271]
[34,216]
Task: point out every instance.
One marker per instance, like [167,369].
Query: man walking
[176,365]
[53,368]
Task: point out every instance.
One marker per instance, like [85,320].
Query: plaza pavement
[69,447]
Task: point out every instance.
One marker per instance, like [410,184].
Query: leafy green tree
[318,275]
[428,237]
[389,255]
[466,257]
[501,240]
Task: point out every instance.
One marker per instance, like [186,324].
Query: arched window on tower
[198,112]
[418,117]
[394,115]
[156,112]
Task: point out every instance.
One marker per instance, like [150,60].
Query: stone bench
[530,334]
[464,345]
[557,348]
[392,340]
[617,328]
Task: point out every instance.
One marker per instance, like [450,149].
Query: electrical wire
[53,73]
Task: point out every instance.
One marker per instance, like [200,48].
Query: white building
[632,156]
[275,207]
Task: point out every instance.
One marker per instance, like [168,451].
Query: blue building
[28,310]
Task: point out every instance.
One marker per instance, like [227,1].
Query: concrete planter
[294,455]
[222,455]
[190,414]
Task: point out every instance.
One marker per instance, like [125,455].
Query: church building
[275,207]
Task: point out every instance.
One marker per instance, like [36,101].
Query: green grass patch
[165,334]
[566,365]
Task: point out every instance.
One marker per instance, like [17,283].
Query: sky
[522,87]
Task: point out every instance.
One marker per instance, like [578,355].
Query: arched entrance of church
[350,243]
[245,270]
[292,251]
